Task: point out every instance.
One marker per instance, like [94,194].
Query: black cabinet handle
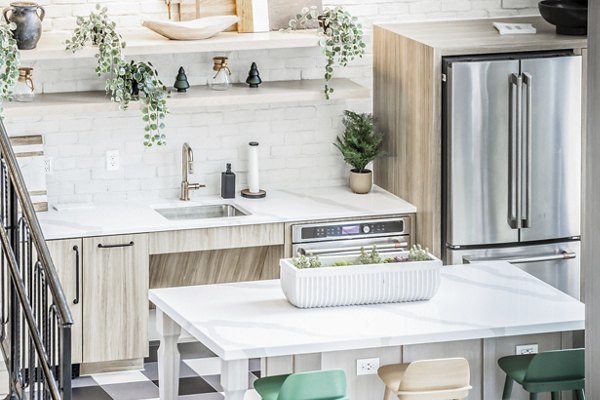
[76,250]
[114,246]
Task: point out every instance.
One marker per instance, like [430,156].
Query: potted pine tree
[360,144]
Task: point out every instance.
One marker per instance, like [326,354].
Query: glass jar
[24,89]
[222,79]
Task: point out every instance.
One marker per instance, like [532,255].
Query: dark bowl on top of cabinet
[569,16]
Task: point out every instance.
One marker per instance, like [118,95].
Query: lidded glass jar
[222,79]
[24,89]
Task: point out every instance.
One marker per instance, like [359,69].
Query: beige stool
[443,379]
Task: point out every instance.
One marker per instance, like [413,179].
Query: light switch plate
[112,160]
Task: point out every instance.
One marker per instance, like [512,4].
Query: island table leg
[168,356]
[234,379]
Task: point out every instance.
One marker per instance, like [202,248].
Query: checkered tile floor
[199,378]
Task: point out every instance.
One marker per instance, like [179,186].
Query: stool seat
[269,387]
[314,385]
[550,371]
[442,379]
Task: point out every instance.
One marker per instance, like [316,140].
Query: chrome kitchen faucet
[187,168]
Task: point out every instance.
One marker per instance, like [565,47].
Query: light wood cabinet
[66,255]
[226,237]
[115,308]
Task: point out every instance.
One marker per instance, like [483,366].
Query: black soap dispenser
[228,183]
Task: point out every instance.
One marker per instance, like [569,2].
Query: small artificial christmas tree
[253,76]
[181,82]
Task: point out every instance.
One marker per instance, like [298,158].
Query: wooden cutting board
[29,151]
[254,15]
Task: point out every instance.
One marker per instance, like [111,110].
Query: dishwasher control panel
[349,230]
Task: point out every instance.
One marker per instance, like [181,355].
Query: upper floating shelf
[198,96]
[143,41]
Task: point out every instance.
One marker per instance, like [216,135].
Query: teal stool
[314,385]
[550,371]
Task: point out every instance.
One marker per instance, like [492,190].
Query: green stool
[315,385]
[550,371]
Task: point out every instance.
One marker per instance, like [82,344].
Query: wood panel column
[591,209]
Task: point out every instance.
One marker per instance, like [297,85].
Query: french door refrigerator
[512,163]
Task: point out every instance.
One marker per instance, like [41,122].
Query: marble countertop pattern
[483,300]
[100,219]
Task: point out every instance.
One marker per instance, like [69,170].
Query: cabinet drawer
[228,237]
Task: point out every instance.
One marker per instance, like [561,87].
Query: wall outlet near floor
[367,366]
[526,349]
[47,165]
[112,160]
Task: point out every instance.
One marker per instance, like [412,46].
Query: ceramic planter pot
[360,284]
[361,182]
[28,23]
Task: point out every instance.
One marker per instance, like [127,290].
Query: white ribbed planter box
[359,284]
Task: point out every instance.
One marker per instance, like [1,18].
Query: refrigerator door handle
[565,255]
[527,150]
[514,149]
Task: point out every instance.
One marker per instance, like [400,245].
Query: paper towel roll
[253,167]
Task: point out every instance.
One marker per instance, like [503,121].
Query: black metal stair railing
[35,324]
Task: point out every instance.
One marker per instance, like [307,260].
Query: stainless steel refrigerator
[512,163]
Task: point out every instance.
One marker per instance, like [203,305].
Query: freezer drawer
[557,264]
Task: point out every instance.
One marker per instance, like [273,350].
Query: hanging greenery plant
[9,62]
[128,81]
[341,37]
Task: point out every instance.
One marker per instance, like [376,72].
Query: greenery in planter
[360,143]
[304,262]
[128,81]
[9,61]
[416,253]
[341,37]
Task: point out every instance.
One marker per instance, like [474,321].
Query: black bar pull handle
[76,250]
[114,246]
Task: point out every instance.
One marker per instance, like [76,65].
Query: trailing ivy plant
[128,81]
[360,143]
[133,79]
[341,37]
[9,61]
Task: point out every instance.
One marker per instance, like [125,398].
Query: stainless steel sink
[201,212]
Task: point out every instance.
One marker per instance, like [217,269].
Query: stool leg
[579,394]
[508,385]
[388,394]
[555,395]
[533,396]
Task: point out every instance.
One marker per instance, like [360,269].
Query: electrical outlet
[367,366]
[526,349]
[48,165]
[112,160]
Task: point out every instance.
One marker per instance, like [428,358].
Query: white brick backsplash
[296,147]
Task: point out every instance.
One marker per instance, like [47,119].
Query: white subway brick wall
[296,138]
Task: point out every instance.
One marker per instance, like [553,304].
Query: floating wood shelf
[197,96]
[143,41]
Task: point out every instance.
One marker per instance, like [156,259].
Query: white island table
[240,321]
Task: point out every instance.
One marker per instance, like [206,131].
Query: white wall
[296,139]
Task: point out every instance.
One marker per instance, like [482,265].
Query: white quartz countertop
[113,218]
[483,300]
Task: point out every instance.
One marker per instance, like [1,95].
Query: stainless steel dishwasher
[348,237]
